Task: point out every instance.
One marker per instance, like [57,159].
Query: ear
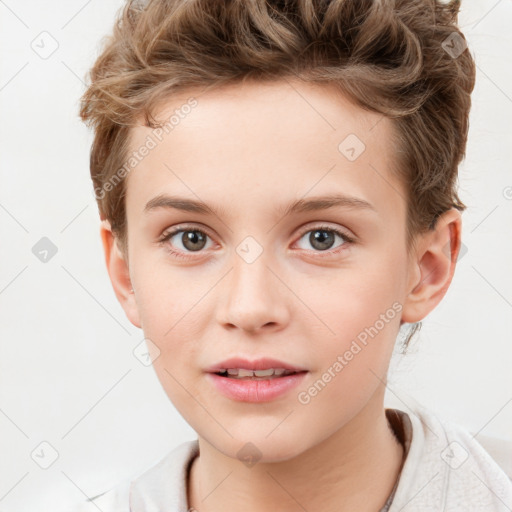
[432,266]
[117,267]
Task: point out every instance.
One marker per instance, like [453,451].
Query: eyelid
[186,227]
[183,227]
[349,238]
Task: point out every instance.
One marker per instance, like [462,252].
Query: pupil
[321,239]
[193,240]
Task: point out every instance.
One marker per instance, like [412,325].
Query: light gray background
[68,376]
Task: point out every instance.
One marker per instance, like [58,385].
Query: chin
[259,447]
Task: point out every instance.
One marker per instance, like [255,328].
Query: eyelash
[347,239]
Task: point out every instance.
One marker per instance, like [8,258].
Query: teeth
[242,372]
[264,373]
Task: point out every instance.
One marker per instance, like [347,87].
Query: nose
[253,297]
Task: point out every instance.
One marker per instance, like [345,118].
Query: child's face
[248,152]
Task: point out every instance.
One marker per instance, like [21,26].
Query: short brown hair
[405,59]
[389,56]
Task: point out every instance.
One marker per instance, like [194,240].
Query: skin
[248,150]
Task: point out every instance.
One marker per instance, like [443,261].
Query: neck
[353,469]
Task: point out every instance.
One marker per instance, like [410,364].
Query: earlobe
[119,274]
[433,267]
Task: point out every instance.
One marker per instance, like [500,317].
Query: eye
[322,238]
[185,240]
[182,241]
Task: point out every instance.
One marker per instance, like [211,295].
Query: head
[277,105]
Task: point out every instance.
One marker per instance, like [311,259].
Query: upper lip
[258,364]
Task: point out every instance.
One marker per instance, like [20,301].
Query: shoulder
[163,485]
[491,455]
[500,450]
[448,469]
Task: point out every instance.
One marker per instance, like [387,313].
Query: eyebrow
[298,206]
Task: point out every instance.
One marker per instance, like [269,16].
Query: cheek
[169,311]
[170,321]
[167,296]
[362,308]
[351,364]
[171,300]
[356,298]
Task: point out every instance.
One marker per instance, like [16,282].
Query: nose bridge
[253,297]
[252,274]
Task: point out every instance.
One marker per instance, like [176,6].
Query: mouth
[265,368]
[255,386]
[261,380]
[244,374]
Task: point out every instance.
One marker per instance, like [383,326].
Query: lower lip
[256,390]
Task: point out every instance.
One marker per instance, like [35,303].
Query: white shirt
[445,470]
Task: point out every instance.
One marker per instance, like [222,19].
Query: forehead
[282,139]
